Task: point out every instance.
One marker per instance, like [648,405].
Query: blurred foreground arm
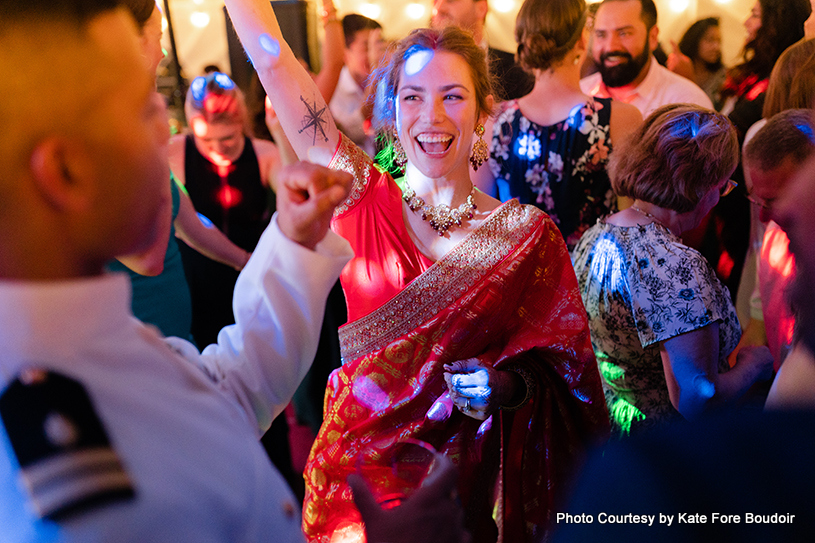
[280,297]
[431,515]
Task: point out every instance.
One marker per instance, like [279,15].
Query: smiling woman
[466,330]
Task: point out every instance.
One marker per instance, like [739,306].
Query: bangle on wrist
[529,385]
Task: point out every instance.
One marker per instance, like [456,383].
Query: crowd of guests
[539,253]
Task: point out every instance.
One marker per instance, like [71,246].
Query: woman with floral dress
[662,324]
[550,148]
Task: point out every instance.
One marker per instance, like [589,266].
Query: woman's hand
[478,390]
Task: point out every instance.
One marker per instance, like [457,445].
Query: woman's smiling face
[436,112]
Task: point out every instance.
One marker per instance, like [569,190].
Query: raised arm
[331,53]
[300,107]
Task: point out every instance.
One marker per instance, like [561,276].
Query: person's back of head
[28,107]
[546,30]
[792,81]
[675,157]
[789,135]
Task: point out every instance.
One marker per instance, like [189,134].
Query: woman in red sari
[466,327]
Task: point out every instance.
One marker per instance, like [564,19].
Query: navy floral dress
[642,286]
[561,168]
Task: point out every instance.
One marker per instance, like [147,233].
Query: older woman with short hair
[662,324]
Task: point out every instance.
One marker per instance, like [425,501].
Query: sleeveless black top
[237,204]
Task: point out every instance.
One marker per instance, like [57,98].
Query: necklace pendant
[441,217]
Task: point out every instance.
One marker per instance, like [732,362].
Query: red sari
[506,293]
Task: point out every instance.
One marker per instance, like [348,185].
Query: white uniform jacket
[184,425]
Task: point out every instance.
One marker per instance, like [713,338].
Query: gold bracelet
[529,382]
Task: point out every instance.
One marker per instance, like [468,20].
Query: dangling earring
[399,156]
[480,152]
[577,59]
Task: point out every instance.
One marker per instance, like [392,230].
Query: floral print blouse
[642,286]
[561,168]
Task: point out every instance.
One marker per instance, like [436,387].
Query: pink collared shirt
[660,87]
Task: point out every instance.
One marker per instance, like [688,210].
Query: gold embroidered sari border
[350,158]
[442,284]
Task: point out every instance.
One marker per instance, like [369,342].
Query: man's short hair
[790,134]
[76,12]
[648,11]
[353,23]
[141,10]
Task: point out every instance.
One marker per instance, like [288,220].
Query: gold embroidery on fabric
[443,283]
[350,158]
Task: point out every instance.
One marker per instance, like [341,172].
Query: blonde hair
[216,99]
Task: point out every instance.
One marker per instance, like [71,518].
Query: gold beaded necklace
[440,217]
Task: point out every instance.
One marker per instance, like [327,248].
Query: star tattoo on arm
[314,120]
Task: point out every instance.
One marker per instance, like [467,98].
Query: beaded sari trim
[350,158]
[443,283]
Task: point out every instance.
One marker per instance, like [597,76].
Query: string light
[415,11]
[678,6]
[503,6]
[372,11]
[199,19]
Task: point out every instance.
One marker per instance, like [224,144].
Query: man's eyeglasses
[760,203]
[728,187]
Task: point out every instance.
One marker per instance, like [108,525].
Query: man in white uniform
[109,432]
[624,38]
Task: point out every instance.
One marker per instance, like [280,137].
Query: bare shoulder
[625,118]
[176,151]
[485,203]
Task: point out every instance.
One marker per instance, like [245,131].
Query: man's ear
[653,36]
[481,9]
[57,174]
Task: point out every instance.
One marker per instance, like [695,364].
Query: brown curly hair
[677,155]
[546,30]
